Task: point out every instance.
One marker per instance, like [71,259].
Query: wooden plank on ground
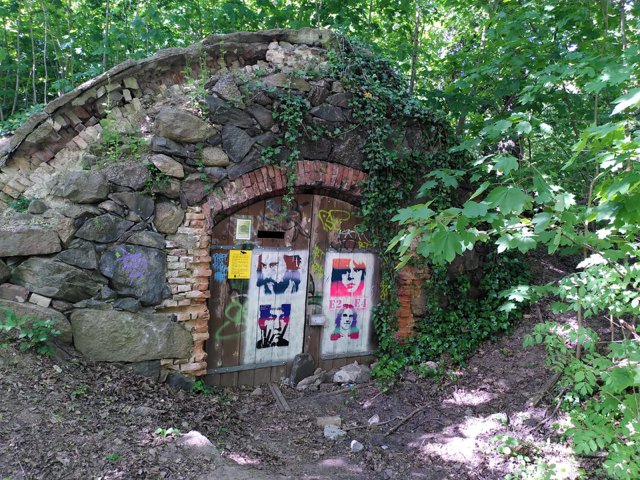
[283,406]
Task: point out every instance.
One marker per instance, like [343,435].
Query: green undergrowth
[388,114]
[28,333]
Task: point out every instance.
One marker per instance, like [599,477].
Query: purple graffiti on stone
[134,265]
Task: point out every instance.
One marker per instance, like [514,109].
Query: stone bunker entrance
[289,278]
[157,234]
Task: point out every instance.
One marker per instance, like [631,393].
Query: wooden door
[287,302]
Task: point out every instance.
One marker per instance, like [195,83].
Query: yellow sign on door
[239,264]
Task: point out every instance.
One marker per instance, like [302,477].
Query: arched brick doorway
[288,279]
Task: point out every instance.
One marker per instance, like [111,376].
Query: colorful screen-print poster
[347,302]
[276,309]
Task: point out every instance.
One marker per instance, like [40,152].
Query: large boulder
[168,217]
[130,174]
[82,187]
[236,142]
[167,165]
[136,271]
[56,280]
[40,313]
[25,240]
[104,228]
[115,336]
[221,112]
[214,157]
[182,126]
[81,254]
[136,202]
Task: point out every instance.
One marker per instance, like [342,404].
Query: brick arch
[325,178]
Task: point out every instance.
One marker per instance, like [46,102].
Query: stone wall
[116,236]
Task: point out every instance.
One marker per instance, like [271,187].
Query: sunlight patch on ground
[458,443]
[242,459]
[339,462]
[470,397]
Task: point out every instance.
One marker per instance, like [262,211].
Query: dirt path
[64,418]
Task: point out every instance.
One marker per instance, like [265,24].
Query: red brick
[246,180]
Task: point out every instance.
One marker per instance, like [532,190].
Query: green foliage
[29,333]
[117,143]
[528,457]
[289,112]
[167,432]
[157,181]
[113,457]
[603,398]
[201,388]
[20,204]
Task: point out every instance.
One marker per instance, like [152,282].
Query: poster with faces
[276,309]
[347,302]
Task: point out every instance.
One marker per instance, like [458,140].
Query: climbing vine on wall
[405,142]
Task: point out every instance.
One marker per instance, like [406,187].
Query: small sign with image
[243,229]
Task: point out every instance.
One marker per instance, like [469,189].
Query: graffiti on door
[277,301]
[348,306]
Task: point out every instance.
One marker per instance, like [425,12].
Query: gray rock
[93,304]
[56,280]
[339,100]
[143,411]
[15,293]
[318,94]
[311,383]
[147,239]
[236,142]
[136,271]
[169,190]
[5,272]
[330,420]
[319,149]
[127,304]
[179,381]
[136,202]
[333,433]
[194,440]
[182,126]
[167,165]
[328,113]
[222,113]
[303,367]
[25,240]
[82,254]
[348,150]
[82,187]
[112,207]
[106,294]
[352,373]
[282,80]
[37,207]
[168,147]
[104,228]
[194,189]
[214,157]
[356,446]
[115,336]
[149,369]
[262,115]
[132,175]
[40,313]
[168,217]
[227,89]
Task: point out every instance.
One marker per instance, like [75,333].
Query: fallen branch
[537,398]
[407,418]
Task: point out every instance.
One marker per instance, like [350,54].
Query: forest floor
[64,417]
